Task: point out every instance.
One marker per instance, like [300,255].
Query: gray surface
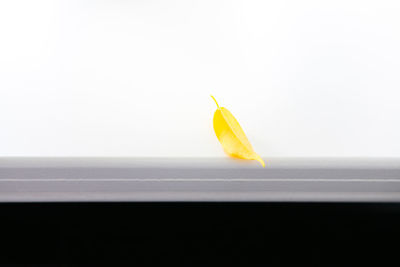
[202,179]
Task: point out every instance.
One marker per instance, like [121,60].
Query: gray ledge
[201,179]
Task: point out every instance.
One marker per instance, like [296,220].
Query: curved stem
[215,101]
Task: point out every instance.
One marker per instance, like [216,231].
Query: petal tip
[260,160]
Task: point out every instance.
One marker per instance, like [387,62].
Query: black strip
[200,234]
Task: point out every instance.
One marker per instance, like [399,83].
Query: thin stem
[215,101]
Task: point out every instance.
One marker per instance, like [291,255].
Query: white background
[133,78]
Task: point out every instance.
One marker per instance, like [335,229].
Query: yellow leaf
[232,137]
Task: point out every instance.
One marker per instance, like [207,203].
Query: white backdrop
[133,78]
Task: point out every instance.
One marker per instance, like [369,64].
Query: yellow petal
[232,137]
